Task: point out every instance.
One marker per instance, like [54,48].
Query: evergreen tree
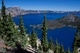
[23,36]
[4,22]
[61,49]
[12,33]
[57,47]
[68,51]
[33,39]
[44,41]
[40,47]
[8,32]
[1,26]
[3,11]
[29,38]
[51,45]
[76,38]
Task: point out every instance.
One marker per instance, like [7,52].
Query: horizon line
[43,9]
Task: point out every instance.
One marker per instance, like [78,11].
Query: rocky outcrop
[15,11]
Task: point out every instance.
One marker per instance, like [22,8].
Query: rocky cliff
[14,11]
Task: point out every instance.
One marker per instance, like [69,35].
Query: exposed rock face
[15,11]
[50,51]
[78,50]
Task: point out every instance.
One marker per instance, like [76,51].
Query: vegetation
[13,35]
[44,41]
[68,50]
[9,32]
[76,39]
[33,39]
[57,47]
[62,49]
[51,44]
[23,36]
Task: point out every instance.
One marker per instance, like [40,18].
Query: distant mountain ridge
[16,10]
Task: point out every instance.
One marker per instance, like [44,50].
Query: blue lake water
[64,35]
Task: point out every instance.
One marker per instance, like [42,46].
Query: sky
[55,5]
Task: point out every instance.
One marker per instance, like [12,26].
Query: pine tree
[57,47]
[1,26]
[33,39]
[76,38]
[3,11]
[44,41]
[68,51]
[61,49]
[12,33]
[40,47]
[51,45]
[9,33]
[23,36]
[4,21]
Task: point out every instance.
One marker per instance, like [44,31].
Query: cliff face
[15,11]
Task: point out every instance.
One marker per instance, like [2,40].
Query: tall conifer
[51,45]
[3,10]
[33,39]
[61,49]
[4,20]
[23,36]
[57,47]
[44,41]
[68,50]
[75,40]
[11,36]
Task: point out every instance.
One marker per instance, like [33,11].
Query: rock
[15,11]
[50,51]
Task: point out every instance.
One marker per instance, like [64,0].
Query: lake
[64,35]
